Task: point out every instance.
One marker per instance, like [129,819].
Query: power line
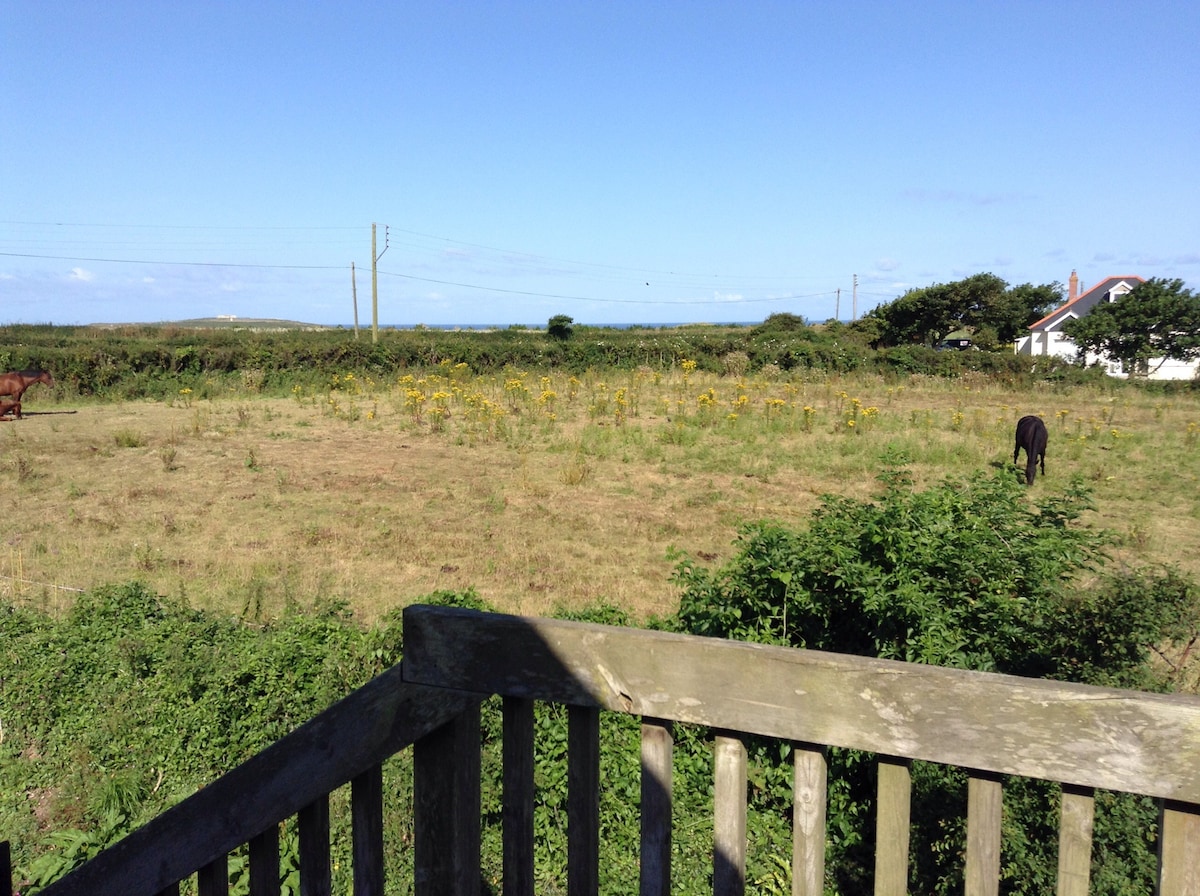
[201,264]
[495,289]
[677,280]
[545,295]
[512,255]
[655,271]
[175,226]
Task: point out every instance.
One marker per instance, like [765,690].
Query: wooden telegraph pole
[374,288]
[354,296]
[375,280]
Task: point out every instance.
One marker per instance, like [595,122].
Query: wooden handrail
[347,740]
[1059,731]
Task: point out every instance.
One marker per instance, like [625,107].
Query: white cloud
[83,275]
[887,264]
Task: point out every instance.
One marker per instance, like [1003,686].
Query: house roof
[1086,301]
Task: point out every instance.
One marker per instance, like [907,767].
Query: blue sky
[612,161]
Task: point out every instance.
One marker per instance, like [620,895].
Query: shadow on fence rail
[991,725]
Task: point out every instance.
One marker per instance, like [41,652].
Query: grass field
[539,490]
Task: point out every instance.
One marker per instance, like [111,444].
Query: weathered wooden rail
[992,725]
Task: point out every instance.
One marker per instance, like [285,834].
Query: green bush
[136,362]
[972,574]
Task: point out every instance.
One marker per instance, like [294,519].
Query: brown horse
[15,382]
[9,406]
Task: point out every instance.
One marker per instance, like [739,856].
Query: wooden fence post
[518,796]
[985,799]
[366,813]
[1076,820]
[1178,849]
[729,786]
[892,817]
[446,799]
[808,819]
[583,801]
[658,742]
[264,863]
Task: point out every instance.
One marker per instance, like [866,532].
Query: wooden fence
[992,725]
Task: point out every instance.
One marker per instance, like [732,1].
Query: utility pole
[354,296]
[837,305]
[375,280]
[374,288]
[855,313]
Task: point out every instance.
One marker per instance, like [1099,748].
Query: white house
[1046,337]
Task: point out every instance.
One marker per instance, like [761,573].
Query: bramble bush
[973,574]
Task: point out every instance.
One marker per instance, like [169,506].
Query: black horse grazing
[1032,436]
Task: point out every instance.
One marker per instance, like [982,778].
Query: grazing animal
[15,382]
[9,406]
[1032,436]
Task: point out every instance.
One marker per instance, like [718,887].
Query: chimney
[1074,289]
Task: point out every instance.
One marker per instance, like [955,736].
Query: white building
[1046,337]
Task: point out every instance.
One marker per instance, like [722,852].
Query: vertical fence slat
[366,816]
[658,742]
[172,890]
[6,867]
[518,796]
[213,878]
[264,863]
[985,799]
[316,875]
[892,816]
[1076,820]
[729,828]
[583,801]
[808,820]
[1178,849]
[446,808]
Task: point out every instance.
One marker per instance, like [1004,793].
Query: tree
[560,327]
[1153,322]
[983,303]
[1007,314]
[923,315]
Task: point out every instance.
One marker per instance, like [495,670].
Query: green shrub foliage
[131,701]
[133,362]
[972,574]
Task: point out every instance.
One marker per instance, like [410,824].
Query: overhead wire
[543,295]
[514,258]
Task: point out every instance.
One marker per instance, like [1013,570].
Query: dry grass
[368,495]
